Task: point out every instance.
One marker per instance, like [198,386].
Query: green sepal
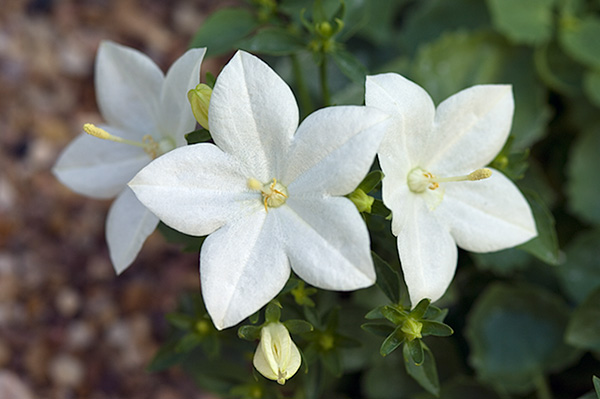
[249,333]
[371,181]
[380,329]
[254,317]
[436,328]
[415,350]
[393,341]
[375,313]
[419,311]
[273,312]
[297,326]
[210,79]
[426,373]
[394,315]
[379,209]
[434,313]
[198,136]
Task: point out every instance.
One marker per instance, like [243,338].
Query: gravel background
[69,328]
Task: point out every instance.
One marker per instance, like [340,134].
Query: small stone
[67,302]
[11,387]
[66,370]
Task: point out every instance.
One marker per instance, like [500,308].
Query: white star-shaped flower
[142,107]
[435,183]
[270,192]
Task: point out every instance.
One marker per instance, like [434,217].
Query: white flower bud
[277,357]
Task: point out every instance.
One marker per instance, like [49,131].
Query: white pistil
[419,180]
[274,194]
[148,144]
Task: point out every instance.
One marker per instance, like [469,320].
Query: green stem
[306,104]
[324,83]
[542,387]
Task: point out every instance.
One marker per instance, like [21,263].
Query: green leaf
[223,29]
[380,329]
[524,22]
[166,357]
[515,333]
[591,86]
[545,245]
[371,181]
[180,320]
[388,279]
[579,39]
[298,326]
[379,209]
[350,66]
[419,311]
[557,70]
[425,373]
[249,333]
[583,330]
[273,41]
[580,274]
[198,136]
[596,385]
[582,187]
[415,350]
[332,362]
[375,313]
[188,342]
[436,328]
[435,314]
[273,312]
[393,341]
[394,315]
[502,263]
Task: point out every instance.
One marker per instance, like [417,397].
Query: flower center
[419,180]
[274,194]
[148,144]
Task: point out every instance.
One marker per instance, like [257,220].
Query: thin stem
[542,387]
[306,104]
[324,83]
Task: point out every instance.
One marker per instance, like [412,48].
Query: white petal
[128,225]
[242,267]
[263,360]
[253,115]
[128,87]
[99,168]
[195,189]
[428,254]
[328,243]
[176,117]
[412,111]
[471,128]
[487,215]
[334,149]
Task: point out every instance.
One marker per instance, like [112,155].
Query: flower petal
[327,243]
[128,85]
[253,115]
[487,215]
[242,267]
[128,225]
[412,112]
[333,150]
[428,253]
[99,168]
[471,128]
[176,117]
[195,189]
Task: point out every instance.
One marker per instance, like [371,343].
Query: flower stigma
[419,180]
[148,144]
[274,194]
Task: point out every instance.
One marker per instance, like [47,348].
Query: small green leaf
[393,341]
[375,313]
[436,328]
[415,350]
[332,362]
[591,86]
[273,312]
[545,245]
[298,326]
[582,168]
[222,30]
[524,22]
[419,311]
[596,385]
[380,329]
[371,181]
[166,357]
[425,373]
[580,274]
[273,41]
[254,317]
[388,279]
[350,66]
[249,333]
[394,315]
[379,209]
[198,136]
[579,39]
[188,342]
[435,314]
[583,330]
[180,320]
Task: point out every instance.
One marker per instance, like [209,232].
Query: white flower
[434,185]
[277,356]
[145,108]
[270,195]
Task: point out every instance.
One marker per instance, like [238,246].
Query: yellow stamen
[148,143]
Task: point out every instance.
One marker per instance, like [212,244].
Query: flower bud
[277,357]
[199,99]
[362,201]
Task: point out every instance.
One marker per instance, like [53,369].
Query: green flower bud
[412,329]
[362,201]
[199,99]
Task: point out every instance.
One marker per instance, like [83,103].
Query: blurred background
[69,328]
